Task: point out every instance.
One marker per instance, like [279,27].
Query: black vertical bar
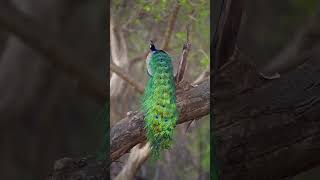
[216,8]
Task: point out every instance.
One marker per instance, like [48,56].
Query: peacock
[159,101]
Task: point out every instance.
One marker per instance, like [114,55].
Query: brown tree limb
[48,44]
[193,103]
[203,76]
[183,59]
[119,54]
[268,122]
[138,155]
[114,68]
[139,58]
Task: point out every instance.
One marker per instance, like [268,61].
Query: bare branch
[119,54]
[183,61]
[138,155]
[114,68]
[203,76]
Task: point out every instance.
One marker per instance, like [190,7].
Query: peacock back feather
[159,102]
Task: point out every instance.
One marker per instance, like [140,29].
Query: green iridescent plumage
[159,102]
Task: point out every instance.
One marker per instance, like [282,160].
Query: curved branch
[138,155]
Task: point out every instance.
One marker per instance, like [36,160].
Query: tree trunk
[268,130]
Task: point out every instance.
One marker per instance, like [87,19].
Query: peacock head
[152,46]
[154,51]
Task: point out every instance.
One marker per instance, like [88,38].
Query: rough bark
[268,129]
[79,169]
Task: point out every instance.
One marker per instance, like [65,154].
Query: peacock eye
[156,116]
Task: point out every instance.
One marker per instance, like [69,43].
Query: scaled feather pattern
[159,102]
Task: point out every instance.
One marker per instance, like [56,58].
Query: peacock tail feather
[159,103]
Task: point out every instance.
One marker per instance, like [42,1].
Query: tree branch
[183,59]
[193,103]
[138,155]
[119,54]
[267,122]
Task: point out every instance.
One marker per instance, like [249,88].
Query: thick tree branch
[48,44]
[193,103]
[267,122]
